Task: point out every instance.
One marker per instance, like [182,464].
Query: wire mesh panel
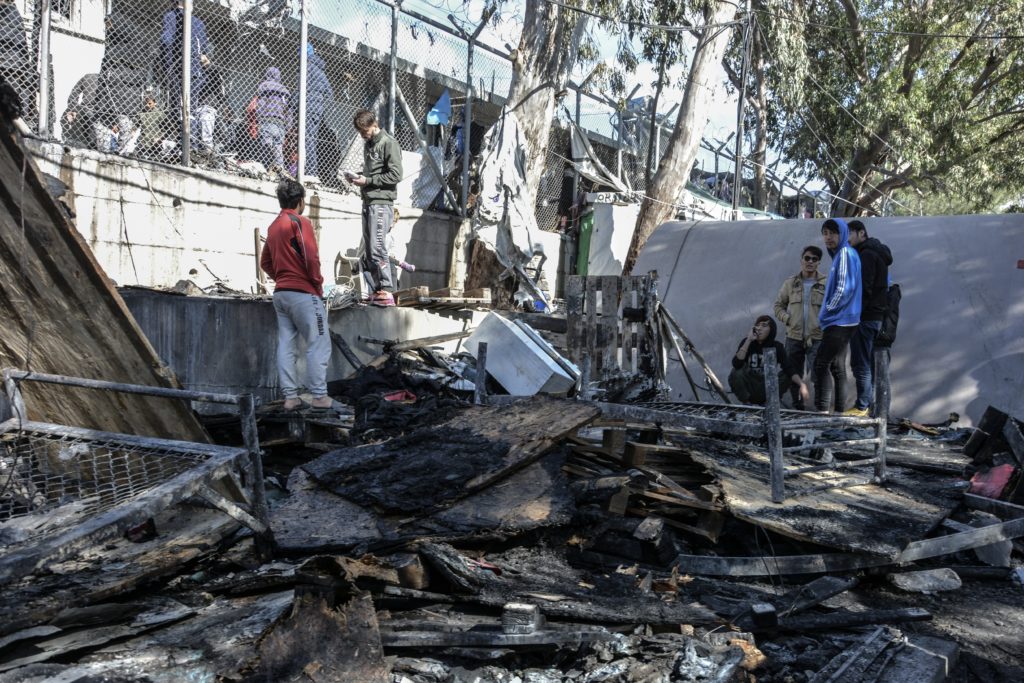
[50,482]
[19,49]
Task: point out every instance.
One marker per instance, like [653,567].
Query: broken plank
[493,638]
[478,293]
[839,620]
[965,540]
[813,593]
[429,341]
[446,292]
[1000,508]
[781,565]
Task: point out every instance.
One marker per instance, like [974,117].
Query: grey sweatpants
[375,264]
[302,315]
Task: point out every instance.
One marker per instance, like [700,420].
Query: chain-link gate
[63,488]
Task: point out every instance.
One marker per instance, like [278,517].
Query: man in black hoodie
[747,377]
[875,259]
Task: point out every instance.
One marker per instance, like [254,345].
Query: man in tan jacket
[796,307]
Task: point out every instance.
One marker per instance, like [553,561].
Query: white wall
[150,224]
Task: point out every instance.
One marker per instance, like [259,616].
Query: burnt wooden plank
[61,311]
[778,565]
[610,325]
[574,331]
[865,519]
[592,340]
[432,467]
[628,331]
[116,568]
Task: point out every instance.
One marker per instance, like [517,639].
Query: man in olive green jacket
[797,306]
[378,183]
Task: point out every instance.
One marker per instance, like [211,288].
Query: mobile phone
[349,175]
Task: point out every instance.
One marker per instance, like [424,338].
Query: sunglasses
[811,259]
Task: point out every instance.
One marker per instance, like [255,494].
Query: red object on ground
[401,396]
[991,483]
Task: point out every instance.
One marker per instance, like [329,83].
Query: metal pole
[467,126]
[300,171]
[393,68]
[737,181]
[44,71]
[186,82]
[618,146]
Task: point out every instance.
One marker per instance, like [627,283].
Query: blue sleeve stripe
[837,297]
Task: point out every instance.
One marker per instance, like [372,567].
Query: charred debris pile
[421,538]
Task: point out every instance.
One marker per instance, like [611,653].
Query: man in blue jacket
[840,312]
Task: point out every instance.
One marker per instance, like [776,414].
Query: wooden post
[773,425]
[250,435]
[882,396]
[480,392]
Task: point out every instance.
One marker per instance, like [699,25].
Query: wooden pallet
[449,298]
[611,328]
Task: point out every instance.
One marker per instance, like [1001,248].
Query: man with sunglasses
[797,307]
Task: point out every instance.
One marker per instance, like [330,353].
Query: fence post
[467,125]
[393,68]
[773,426]
[300,171]
[186,82]
[44,70]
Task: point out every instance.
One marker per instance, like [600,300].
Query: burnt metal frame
[221,465]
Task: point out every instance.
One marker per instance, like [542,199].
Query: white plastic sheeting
[960,345]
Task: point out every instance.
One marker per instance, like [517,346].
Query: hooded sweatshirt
[875,259]
[755,353]
[842,303]
[272,99]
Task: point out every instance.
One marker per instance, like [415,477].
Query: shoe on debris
[856,412]
[382,298]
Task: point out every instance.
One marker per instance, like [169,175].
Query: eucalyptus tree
[913,98]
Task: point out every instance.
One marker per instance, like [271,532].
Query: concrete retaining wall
[960,345]
[152,225]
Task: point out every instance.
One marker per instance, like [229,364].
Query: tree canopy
[908,99]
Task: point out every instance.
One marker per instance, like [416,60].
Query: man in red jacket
[292,260]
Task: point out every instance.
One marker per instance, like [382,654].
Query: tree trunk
[677,161]
[548,48]
[653,136]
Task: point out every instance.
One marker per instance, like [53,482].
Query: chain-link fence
[116,74]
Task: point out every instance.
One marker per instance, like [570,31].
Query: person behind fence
[875,259]
[839,315]
[16,64]
[211,102]
[292,259]
[152,128]
[273,117]
[382,171]
[121,83]
[319,94]
[747,376]
[172,52]
[797,306]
